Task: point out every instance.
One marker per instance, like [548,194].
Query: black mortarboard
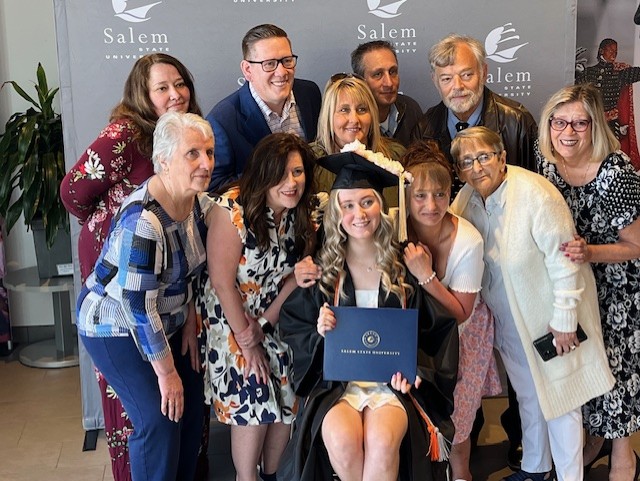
[355,172]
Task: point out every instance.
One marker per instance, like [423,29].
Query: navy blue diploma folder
[370,344]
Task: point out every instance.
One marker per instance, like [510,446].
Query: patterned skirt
[477,370]
[240,400]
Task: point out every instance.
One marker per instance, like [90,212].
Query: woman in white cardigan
[532,289]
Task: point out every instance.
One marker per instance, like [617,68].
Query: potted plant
[32,161]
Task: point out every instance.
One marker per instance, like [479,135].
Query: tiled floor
[41,433]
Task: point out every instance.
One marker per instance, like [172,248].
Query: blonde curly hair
[333,253]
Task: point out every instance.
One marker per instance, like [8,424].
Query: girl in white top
[447,251]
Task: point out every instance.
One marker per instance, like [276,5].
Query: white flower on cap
[379,159]
[393,166]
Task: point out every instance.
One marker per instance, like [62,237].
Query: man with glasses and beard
[459,72]
[269,101]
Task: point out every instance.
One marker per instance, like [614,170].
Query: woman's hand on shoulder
[402,384]
[307,272]
[256,363]
[326,320]
[417,258]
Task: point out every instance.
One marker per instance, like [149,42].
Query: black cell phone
[547,350]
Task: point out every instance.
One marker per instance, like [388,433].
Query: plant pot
[54,262]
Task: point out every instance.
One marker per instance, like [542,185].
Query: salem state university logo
[498,36]
[385,11]
[135,15]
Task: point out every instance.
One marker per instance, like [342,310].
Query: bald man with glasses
[270,101]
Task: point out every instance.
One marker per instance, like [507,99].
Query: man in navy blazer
[269,101]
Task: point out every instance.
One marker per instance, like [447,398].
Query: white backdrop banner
[531,46]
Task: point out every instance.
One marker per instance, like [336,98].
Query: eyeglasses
[467,162]
[342,75]
[272,64]
[577,125]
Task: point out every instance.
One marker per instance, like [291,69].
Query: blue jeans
[160,449]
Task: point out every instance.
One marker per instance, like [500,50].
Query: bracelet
[428,279]
[267,327]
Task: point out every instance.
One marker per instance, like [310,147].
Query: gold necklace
[584,177]
[362,265]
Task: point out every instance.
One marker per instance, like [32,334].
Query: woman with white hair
[135,312]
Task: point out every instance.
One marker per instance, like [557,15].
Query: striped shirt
[288,122]
[142,282]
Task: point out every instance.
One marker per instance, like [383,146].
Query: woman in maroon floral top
[120,158]
[107,172]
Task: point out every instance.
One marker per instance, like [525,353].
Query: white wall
[27,36]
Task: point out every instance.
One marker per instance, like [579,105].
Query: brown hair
[136,105]
[358,54]
[425,161]
[265,169]
[480,134]
[261,32]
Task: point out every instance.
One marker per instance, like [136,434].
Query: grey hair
[169,129]
[479,134]
[443,53]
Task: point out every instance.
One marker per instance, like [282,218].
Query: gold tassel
[402,210]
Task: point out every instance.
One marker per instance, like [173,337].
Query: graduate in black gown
[363,430]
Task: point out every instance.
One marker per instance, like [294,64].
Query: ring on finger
[572,347]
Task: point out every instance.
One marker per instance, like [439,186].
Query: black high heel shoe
[605,450]
[635,478]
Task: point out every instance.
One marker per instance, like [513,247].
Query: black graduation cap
[355,172]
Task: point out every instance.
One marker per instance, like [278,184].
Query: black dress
[306,458]
[600,209]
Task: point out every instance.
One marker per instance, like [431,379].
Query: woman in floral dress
[259,229]
[580,155]
[112,167]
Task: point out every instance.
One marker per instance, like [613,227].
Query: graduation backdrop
[531,49]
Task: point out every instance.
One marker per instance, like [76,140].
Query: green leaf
[32,161]
[51,185]
[13,214]
[42,78]
[21,92]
